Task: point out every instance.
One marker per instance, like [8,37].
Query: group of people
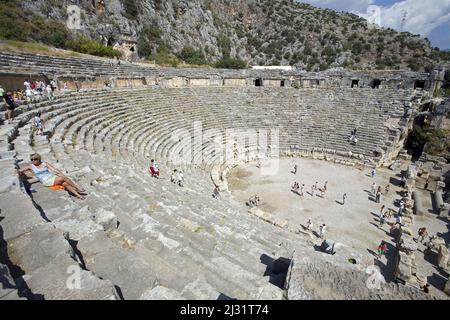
[176,177]
[37,91]
[322,228]
[253,201]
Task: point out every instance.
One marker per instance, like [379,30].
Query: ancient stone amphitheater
[136,237]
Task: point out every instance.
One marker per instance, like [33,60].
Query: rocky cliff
[265,32]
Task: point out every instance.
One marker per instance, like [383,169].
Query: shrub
[131,9]
[85,45]
[149,40]
[192,56]
[163,57]
[229,63]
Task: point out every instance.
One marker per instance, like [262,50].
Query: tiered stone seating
[136,234]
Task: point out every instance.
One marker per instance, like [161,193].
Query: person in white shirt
[309,224]
[322,230]
[180,178]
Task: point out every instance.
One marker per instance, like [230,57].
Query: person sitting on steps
[154,170]
[49,176]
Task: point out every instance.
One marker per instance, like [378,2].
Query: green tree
[192,56]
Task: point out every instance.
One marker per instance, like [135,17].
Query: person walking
[373,172]
[322,230]
[382,215]
[309,224]
[38,124]
[344,197]
[374,188]
[378,196]
[295,168]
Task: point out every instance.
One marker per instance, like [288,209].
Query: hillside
[233,33]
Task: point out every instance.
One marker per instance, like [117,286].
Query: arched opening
[419,84]
[355,83]
[258,82]
[282,83]
[376,83]
[110,42]
[132,49]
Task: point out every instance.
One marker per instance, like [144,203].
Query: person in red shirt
[154,170]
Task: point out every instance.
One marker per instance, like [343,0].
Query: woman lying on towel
[49,176]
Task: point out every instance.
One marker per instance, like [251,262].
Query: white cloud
[342,5]
[423,16]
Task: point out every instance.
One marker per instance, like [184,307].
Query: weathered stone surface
[107,219]
[447,287]
[161,293]
[443,257]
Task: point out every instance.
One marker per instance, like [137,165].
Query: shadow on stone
[224,297]
[276,269]
[16,272]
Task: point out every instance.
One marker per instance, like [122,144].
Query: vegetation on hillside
[19,24]
[230,34]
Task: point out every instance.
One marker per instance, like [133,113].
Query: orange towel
[57,187]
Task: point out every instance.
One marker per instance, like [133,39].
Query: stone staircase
[139,237]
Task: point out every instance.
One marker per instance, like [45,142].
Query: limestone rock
[107,219]
[161,293]
[443,257]
[447,287]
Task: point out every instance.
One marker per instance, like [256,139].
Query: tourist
[423,233]
[403,181]
[173,176]
[343,198]
[50,96]
[386,190]
[295,168]
[401,206]
[216,191]
[382,214]
[77,85]
[38,124]
[253,201]
[302,190]
[399,220]
[382,249]
[10,106]
[430,244]
[322,230]
[50,176]
[312,190]
[295,187]
[53,85]
[309,224]
[374,188]
[373,172]
[27,85]
[180,178]
[378,195]
[426,288]
[29,95]
[154,170]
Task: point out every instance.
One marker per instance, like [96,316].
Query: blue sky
[429,18]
